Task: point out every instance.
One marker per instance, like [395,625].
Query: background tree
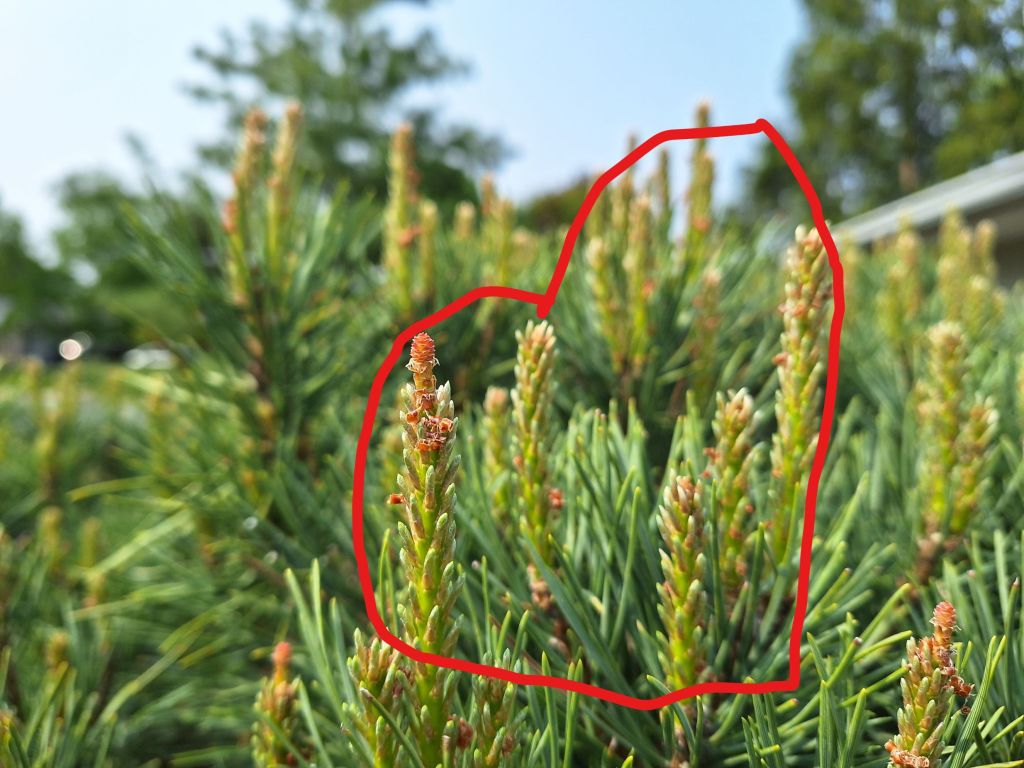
[350,73]
[893,95]
[32,296]
[113,298]
[555,208]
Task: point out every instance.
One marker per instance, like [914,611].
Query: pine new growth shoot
[276,705]
[427,536]
[901,296]
[698,197]
[238,209]
[427,281]
[621,203]
[800,365]
[465,222]
[279,200]
[957,444]
[639,286]
[939,404]
[496,222]
[966,275]
[661,191]
[381,676]
[703,345]
[928,688]
[605,287]
[496,427]
[683,597]
[531,415]
[399,218]
[732,458]
[493,720]
[974,449]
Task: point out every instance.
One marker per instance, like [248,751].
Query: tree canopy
[351,74]
[889,96]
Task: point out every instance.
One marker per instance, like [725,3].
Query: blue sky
[563,82]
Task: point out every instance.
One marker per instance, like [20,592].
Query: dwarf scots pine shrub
[236,479]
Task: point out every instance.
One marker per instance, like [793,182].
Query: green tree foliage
[889,96]
[549,210]
[113,298]
[350,73]
[32,296]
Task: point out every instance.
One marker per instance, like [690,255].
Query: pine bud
[56,653]
[622,195]
[248,172]
[52,545]
[966,275]
[250,157]
[984,248]
[498,237]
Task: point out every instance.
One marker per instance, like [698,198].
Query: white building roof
[983,192]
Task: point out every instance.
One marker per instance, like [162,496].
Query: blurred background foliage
[886,97]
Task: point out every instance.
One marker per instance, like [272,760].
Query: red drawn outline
[544,303]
